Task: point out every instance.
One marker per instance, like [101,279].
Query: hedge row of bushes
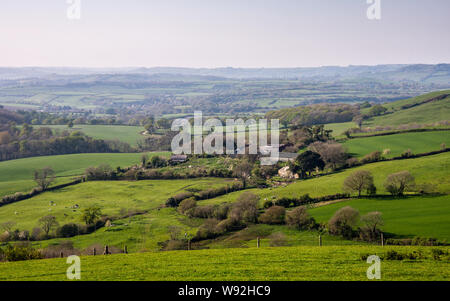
[204,194]
[304,200]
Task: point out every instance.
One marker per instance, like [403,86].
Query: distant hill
[429,74]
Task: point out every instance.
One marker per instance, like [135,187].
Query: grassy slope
[289,263]
[417,142]
[430,169]
[128,134]
[425,113]
[16,175]
[406,217]
[139,232]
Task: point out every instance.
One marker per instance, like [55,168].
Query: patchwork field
[287,263]
[124,133]
[417,142]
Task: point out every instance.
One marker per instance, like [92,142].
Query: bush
[20,252]
[208,229]
[300,219]
[273,216]
[372,157]
[268,204]
[68,230]
[186,205]
[176,200]
[228,225]
[175,244]
[343,221]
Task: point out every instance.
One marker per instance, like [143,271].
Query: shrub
[300,219]
[175,244]
[274,215]
[206,211]
[228,225]
[372,157]
[370,230]
[398,183]
[284,202]
[343,221]
[68,230]
[221,211]
[186,205]
[176,200]
[20,252]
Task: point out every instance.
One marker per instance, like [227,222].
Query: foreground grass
[283,263]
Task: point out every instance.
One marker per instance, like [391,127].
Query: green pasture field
[422,114]
[110,196]
[339,128]
[124,133]
[281,263]
[420,142]
[17,175]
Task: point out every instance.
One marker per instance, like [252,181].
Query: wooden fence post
[258,242]
[61,255]
[94,252]
[320,240]
[382,240]
[106,251]
[125,249]
[189,244]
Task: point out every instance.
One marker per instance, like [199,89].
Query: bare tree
[358,180]
[48,223]
[44,177]
[398,183]
[332,153]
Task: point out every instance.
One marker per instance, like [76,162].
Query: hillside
[17,175]
[428,108]
[274,264]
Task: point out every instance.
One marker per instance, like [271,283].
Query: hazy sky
[213,33]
